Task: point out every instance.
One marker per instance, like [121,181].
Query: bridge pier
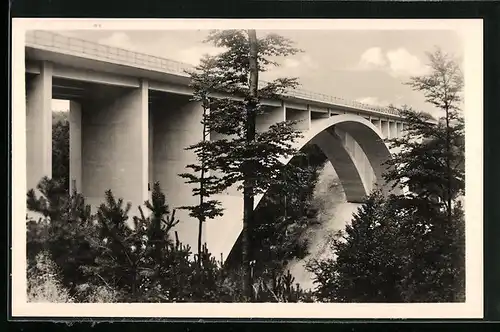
[75,146]
[176,125]
[384,124]
[39,126]
[392,129]
[400,129]
[114,145]
[377,123]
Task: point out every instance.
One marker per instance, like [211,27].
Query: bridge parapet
[76,46]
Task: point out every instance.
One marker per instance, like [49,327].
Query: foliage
[435,170]
[421,164]
[285,213]
[393,254]
[278,287]
[442,88]
[60,147]
[441,253]
[107,257]
[43,282]
[367,265]
[63,232]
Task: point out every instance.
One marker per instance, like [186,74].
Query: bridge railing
[51,40]
[305,94]
[115,54]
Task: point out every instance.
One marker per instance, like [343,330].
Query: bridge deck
[50,41]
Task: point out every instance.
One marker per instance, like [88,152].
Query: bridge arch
[322,133]
[325,134]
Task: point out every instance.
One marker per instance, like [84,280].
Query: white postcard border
[472,33]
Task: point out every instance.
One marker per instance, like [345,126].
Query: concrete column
[377,123]
[150,153]
[176,125]
[75,146]
[115,146]
[392,129]
[398,129]
[39,126]
[385,128]
[270,116]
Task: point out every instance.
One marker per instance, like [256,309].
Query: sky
[369,66]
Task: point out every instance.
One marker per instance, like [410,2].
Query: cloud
[397,101]
[291,63]
[304,62]
[193,55]
[403,63]
[291,67]
[373,58]
[308,62]
[120,40]
[397,62]
[374,101]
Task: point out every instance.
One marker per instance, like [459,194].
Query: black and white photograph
[191,168]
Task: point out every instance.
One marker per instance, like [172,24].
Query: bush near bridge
[102,258]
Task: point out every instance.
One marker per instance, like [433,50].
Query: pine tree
[132,258]
[207,184]
[63,232]
[242,157]
[433,168]
[369,255]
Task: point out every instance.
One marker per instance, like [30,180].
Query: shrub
[103,258]
[43,282]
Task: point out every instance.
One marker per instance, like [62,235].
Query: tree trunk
[201,219]
[448,164]
[248,190]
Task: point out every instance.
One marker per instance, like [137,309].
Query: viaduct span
[131,118]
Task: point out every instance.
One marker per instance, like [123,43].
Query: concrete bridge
[131,118]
